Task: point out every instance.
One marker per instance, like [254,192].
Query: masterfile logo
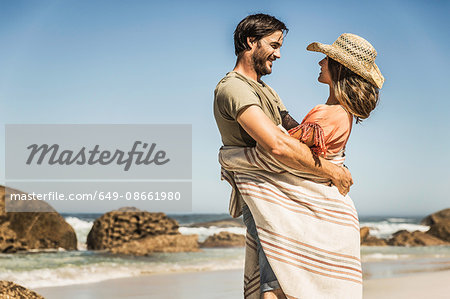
[54,156]
[98,152]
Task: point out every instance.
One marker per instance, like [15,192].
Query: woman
[354,81]
[303,236]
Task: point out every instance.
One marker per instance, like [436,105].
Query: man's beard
[259,60]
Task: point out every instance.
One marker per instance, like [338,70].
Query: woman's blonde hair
[354,93]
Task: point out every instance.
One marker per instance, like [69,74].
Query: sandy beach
[421,285]
[228,284]
[199,285]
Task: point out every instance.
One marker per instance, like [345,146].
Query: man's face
[266,51]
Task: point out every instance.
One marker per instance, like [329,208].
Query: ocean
[60,267]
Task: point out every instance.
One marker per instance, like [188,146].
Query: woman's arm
[308,140]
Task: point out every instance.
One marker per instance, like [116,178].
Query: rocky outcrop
[161,243]
[10,290]
[439,223]
[9,243]
[364,233]
[438,234]
[34,230]
[368,240]
[441,230]
[442,215]
[374,241]
[224,239]
[132,231]
[235,222]
[416,238]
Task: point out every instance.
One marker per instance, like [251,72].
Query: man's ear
[251,42]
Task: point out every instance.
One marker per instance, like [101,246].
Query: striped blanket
[308,230]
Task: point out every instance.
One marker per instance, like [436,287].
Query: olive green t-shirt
[235,92]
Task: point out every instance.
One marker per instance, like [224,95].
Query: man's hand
[342,180]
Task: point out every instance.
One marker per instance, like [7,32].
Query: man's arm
[290,151]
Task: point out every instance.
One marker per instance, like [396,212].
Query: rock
[118,227]
[10,290]
[436,217]
[441,230]
[129,209]
[224,239]
[8,240]
[135,232]
[34,230]
[439,223]
[161,243]
[234,222]
[416,238]
[364,233]
[368,240]
[374,241]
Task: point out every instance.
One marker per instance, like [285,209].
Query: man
[248,111]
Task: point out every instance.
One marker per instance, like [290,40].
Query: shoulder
[235,93]
[324,110]
[232,94]
[328,115]
[233,85]
[318,112]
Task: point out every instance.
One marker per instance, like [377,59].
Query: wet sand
[228,285]
[202,285]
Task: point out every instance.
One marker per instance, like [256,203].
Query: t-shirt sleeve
[234,96]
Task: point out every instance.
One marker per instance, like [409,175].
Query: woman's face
[325,75]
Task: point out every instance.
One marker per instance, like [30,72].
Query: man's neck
[245,67]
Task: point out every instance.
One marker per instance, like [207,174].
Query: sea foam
[81,228]
[385,229]
[205,232]
[45,269]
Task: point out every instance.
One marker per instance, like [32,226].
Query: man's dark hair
[256,26]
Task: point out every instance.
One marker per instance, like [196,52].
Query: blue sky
[153,62]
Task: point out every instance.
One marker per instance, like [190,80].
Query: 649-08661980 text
[100,195]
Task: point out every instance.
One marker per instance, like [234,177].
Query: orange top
[331,126]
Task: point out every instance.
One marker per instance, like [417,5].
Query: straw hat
[355,53]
